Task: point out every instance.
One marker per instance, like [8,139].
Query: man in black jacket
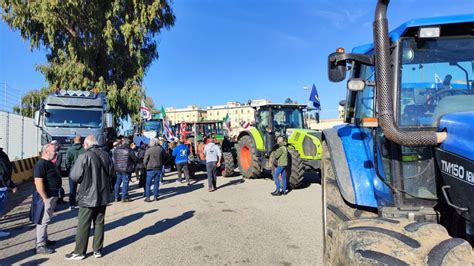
[124,163]
[93,170]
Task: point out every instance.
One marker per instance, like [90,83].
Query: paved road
[240,223]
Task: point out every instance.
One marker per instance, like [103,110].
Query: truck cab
[66,114]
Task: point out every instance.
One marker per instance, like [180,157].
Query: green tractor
[256,144]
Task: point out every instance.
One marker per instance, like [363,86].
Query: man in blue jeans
[124,163]
[154,159]
[281,157]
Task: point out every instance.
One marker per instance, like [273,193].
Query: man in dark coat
[124,163]
[71,156]
[5,184]
[93,170]
[154,159]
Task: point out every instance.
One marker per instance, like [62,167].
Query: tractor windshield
[287,118]
[436,78]
[155,125]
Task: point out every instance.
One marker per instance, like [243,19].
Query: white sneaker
[74,256]
[4,234]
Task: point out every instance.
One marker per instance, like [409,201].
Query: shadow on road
[232,183]
[124,221]
[157,228]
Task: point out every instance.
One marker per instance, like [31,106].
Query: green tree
[288,101]
[31,102]
[105,45]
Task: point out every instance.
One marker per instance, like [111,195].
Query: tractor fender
[340,166]
[256,137]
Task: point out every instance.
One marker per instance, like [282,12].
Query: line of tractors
[251,150]
[398,176]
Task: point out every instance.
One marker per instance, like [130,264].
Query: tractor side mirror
[109,120]
[336,68]
[37,119]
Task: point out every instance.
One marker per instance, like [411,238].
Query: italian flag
[227,121]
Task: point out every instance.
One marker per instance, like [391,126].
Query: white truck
[66,114]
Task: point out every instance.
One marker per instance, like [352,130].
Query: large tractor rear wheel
[398,242]
[249,163]
[295,169]
[228,167]
[358,237]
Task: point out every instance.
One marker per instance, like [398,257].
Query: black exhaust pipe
[385,87]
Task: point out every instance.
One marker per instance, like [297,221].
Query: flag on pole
[314,97]
[145,111]
[163,113]
[167,132]
[227,121]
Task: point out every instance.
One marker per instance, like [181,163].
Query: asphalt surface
[239,223]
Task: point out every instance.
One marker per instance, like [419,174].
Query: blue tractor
[398,176]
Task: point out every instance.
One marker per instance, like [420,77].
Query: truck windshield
[287,118]
[436,78]
[153,125]
[73,118]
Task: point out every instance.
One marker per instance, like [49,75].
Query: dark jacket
[140,156]
[124,159]
[37,208]
[72,154]
[93,170]
[154,158]
[6,169]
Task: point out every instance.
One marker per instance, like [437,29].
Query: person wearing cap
[213,157]
[181,154]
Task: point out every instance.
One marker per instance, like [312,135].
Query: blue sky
[236,50]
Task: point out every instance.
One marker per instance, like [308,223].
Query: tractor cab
[274,120]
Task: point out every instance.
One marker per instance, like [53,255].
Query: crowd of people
[95,174]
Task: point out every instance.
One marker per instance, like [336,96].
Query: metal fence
[19,137]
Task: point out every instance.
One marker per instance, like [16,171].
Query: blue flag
[314,97]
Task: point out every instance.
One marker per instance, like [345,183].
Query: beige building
[238,112]
[192,113]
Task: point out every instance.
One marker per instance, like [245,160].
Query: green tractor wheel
[248,161]
[295,169]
